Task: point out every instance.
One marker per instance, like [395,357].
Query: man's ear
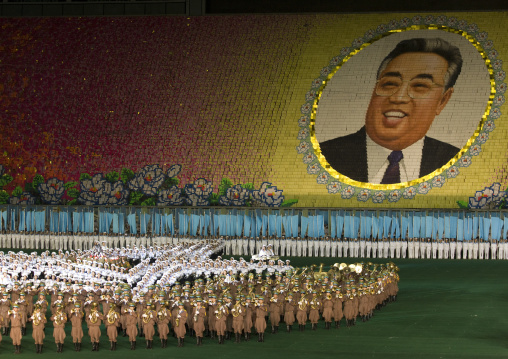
[444,100]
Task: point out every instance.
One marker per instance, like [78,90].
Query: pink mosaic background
[99,94]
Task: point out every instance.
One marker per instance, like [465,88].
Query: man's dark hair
[431,45]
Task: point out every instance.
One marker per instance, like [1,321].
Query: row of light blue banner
[254,223]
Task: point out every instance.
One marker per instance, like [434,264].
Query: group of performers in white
[178,289]
[268,246]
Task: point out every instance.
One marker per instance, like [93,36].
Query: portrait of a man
[414,84]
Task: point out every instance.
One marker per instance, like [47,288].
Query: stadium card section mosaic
[101,110]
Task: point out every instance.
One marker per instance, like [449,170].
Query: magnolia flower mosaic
[150,186]
[491,197]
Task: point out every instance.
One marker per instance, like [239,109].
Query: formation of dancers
[178,290]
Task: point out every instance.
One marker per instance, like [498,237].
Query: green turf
[445,309]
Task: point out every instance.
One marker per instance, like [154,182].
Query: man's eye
[421,86]
[389,84]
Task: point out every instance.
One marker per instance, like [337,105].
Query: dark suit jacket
[348,155]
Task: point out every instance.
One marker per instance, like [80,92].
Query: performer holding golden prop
[163,318]
[221,314]
[94,320]
[148,317]
[338,314]
[181,319]
[328,309]
[247,321]
[112,323]
[76,318]
[131,319]
[59,319]
[38,320]
[261,311]
[238,312]
[301,313]
[315,306]
[289,312]
[198,316]
[16,323]
[276,309]
[5,306]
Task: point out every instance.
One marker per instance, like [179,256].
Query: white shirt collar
[377,161]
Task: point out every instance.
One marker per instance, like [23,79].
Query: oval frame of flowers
[337,183]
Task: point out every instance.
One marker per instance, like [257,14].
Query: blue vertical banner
[429,222]
[375,224]
[356,224]
[183,222]
[121,221]
[246,223]
[454,218]
[409,215]
[40,220]
[505,225]
[115,223]
[435,224]
[157,219]
[387,222]
[258,222]
[13,216]
[264,226]
[460,226]
[54,218]
[3,219]
[495,225]
[223,230]
[304,222]
[295,221]
[416,224]
[480,225]
[468,226]
[89,220]
[447,224]
[333,224]
[363,224]
[272,222]
[486,225]
[340,223]
[29,220]
[215,222]
[441,224]
[102,220]
[21,222]
[194,222]
[77,221]
[144,221]
[347,224]
[368,223]
[239,222]
[208,221]
[404,224]
[168,220]
[311,224]
[381,225]
[321,224]
[131,220]
[476,224]
[286,223]
[278,224]
[233,221]
[64,222]
[395,232]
